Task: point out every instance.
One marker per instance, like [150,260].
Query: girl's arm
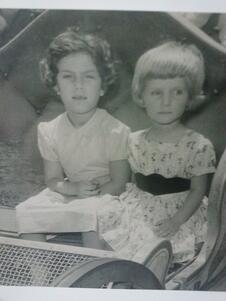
[55,180]
[193,200]
[169,227]
[119,175]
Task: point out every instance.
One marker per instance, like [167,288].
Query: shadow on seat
[156,258]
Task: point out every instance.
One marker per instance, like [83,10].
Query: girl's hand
[167,228]
[86,189]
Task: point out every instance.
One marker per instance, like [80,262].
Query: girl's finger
[164,233]
[95,182]
[88,183]
[158,224]
[163,229]
[93,192]
[91,187]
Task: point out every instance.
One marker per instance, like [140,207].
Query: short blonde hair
[170,60]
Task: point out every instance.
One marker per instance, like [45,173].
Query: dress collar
[87,127]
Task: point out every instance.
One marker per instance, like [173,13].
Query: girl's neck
[78,120]
[171,133]
[164,128]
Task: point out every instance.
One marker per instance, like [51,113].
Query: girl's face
[165,100]
[78,83]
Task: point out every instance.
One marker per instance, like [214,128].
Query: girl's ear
[188,106]
[140,102]
[196,102]
[56,89]
[102,92]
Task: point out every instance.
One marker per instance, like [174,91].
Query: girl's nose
[79,83]
[166,99]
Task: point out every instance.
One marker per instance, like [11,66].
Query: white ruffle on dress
[84,154]
[127,224]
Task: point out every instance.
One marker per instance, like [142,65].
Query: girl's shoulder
[136,140]
[136,136]
[195,139]
[109,122]
[53,122]
[51,126]
[201,156]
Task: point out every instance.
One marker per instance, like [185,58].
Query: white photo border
[59,294]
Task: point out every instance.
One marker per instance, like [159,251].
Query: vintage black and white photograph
[112,139]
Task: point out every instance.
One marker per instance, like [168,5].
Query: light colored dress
[84,154]
[131,229]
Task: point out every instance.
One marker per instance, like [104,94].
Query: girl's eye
[65,76]
[90,76]
[155,93]
[179,92]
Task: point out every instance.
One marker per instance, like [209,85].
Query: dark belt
[157,184]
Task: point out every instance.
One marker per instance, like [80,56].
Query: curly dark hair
[72,41]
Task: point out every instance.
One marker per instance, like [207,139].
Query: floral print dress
[126,224]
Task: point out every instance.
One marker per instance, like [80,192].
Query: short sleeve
[45,142]
[203,159]
[133,150]
[117,143]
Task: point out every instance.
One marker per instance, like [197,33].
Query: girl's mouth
[79,97]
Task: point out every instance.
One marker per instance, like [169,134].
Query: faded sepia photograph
[112,149]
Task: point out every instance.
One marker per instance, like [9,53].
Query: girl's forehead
[78,61]
[171,81]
